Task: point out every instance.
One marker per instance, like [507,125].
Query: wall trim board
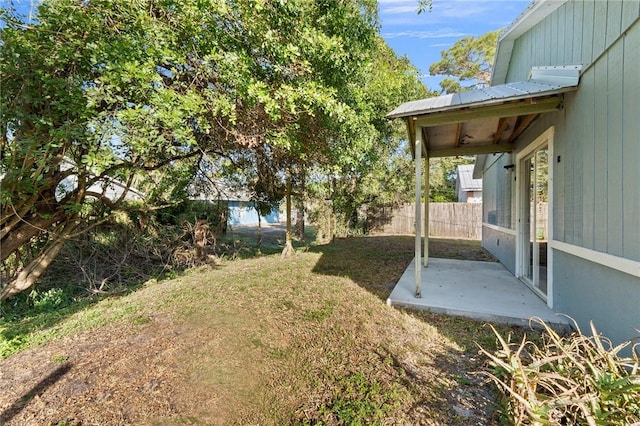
[499,228]
[621,264]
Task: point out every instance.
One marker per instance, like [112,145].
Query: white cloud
[400,10]
[425,34]
[407,2]
[460,9]
[398,7]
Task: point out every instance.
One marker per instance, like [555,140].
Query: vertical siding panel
[538,48]
[535,31]
[566,56]
[587,32]
[600,140]
[576,54]
[631,145]
[578,214]
[547,41]
[523,57]
[599,28]
[533,49]
[614,20]
[569,184]
[614,149]
[630,12]
[556,35]
[576,111]
[514,65]
[559,187]
[516,60]
[586,97]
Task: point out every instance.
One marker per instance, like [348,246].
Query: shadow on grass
[241,242]
[374,263]
[36,390]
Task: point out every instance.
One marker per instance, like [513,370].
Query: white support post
[426,209]
[418,224]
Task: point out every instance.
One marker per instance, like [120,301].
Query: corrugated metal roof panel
[467,182]
[490,95]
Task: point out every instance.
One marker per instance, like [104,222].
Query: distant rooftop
[467,182]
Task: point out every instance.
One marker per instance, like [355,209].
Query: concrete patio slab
[484,291]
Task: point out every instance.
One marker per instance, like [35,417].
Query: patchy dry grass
[306,340]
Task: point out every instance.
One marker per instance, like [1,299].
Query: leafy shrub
[573,380]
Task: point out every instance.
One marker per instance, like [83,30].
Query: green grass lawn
[304,340]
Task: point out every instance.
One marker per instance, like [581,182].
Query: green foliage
[470,59]
[574,380]
[359,400]
[28,319]
[375,169]
[190,211]
[319,315]
[141,92]
[424,5]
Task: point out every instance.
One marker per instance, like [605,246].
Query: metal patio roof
[488,119]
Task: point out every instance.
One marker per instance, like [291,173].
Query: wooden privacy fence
[449,220]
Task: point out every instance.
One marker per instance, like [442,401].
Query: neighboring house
[240,209]
[468,189]
[111,188]
[557,136]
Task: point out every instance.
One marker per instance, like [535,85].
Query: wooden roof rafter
[521,126]
[503,125]
[457,140]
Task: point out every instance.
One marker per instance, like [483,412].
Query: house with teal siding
[241,208]
[557,142]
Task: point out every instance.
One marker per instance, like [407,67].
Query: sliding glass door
[534,219]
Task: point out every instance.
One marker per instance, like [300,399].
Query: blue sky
[422,37]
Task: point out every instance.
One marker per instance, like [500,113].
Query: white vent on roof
[565,74]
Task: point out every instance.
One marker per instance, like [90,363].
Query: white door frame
[546,138]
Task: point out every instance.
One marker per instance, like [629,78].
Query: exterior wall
[462,195]
[587,291]
[469,196]
[501,244]
[499,192]
[597,154]
[577,33]
[474,196]
[596,164]
[243,213]
[498,210]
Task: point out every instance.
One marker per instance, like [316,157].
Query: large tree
[470,59]
[94,92]
[378,170]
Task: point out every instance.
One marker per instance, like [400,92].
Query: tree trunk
[288,247]
[25,231]
[38,266]
[301,207]
[259,237]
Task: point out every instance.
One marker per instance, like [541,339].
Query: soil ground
[261,341]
